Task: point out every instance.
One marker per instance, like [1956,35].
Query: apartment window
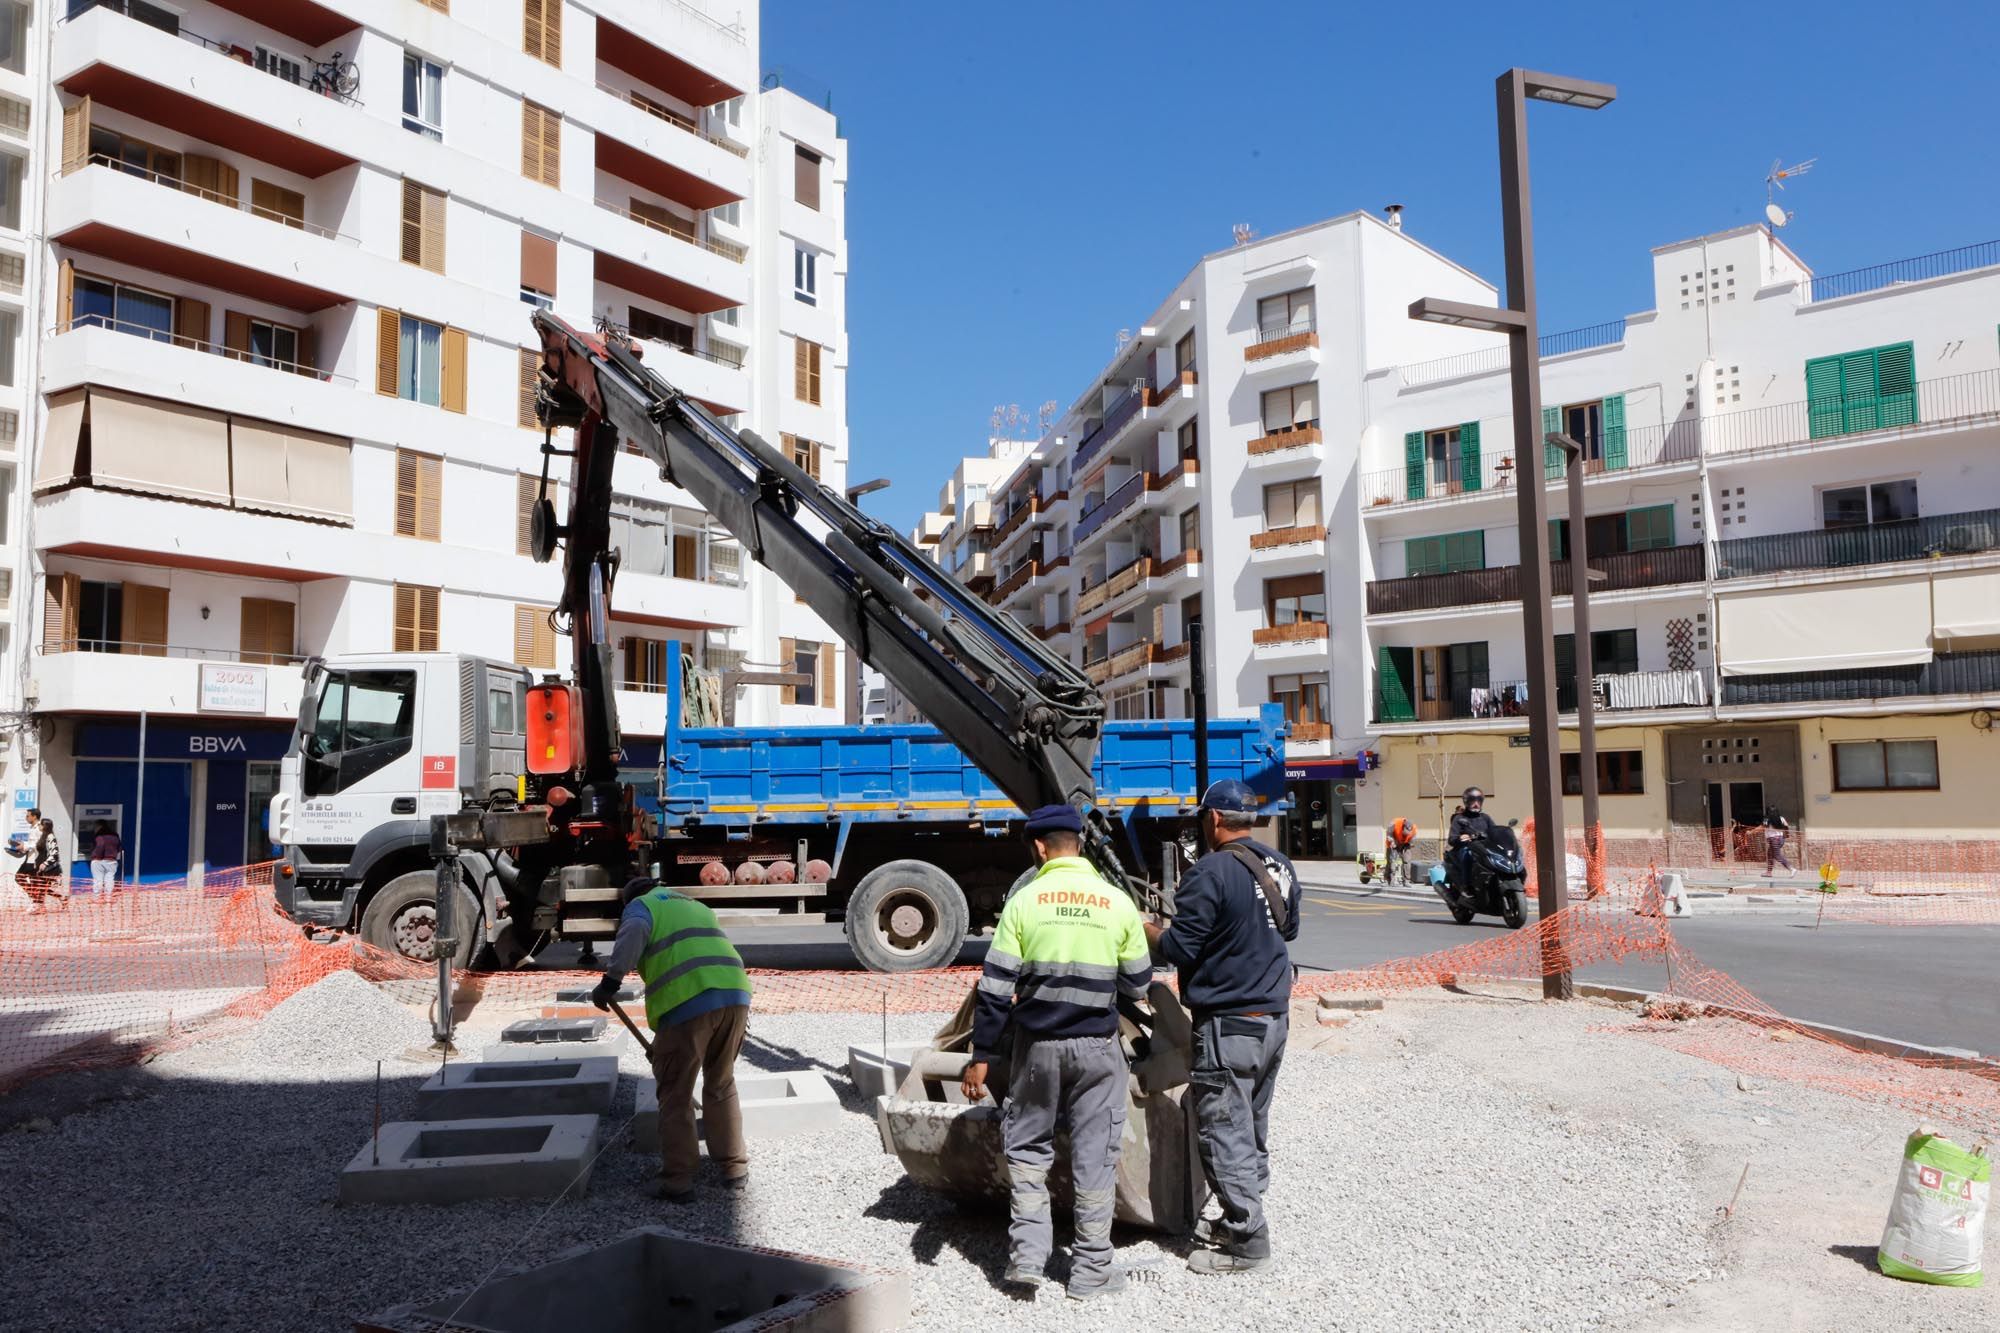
[1303,697]
[14,37]
[265,630]
[1598,426]
[728,315]
[1885,766]
[805,370]
[1298,600]
[415,624]
[1647,529]
[1861,391]
[262,342]
[805,177]
[1290,409]
[807,660]
[423,96]
[660,329]
[541,144]
[1613,652]
[534,637]
[134,157]
[1190,524]
[805,453]
[1447,554]
[1284,315]
[805,275]
[115,305]
[730,213]
[1184,353]
[419,488]
[1619,773]
[1441,456]
[538,269]
[645,664]
[541,30]
[1188,439]
[423,226]
[11,169]
[100,617]
[420,353]
[1584,423]
[153,16]
[1877,502]
[1291,504]
[419,360]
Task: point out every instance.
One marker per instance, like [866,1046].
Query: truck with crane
[449,807]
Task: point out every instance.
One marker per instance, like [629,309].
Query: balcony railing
[307,73]
[1480,587]
[1276,538]
[1942,264]
[136,648]
[180,186]
[1296,438]
[1282,336]
[671,117]
[1013,583]
[1014,520]
[1114,421]
[1091,598]
[715,245]
[1189,557]
[1051,631]
[1950,399]
[1969,533]
[1489,359]
[1975,673]
[147,331]
[1300,631]
[1616,692]
[1160,393]
[1494,467]
[1129,576]
[1304,732]
[1116,503]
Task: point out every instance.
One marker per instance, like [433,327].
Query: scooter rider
[1468,826]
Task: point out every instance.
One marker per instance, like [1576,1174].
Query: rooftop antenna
[1774,181]
[1243,233]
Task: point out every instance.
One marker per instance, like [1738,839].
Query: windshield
[1502,837]
[358,708]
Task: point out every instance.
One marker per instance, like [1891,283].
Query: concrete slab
[774,1106]
[876,1072]
[653,1278]
[554,1085]
[629,993]
[554,1029]
[449,1161]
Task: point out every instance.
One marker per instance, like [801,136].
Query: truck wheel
[906,915]
[402,919]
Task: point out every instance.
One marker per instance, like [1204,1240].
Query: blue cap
[1230,797]
[1053,819]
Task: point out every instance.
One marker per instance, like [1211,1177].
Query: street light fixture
[855,492]
[1517,319]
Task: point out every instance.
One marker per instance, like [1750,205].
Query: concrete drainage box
[448,1161]
[876,1072]
[553,1085]
[654,1279]
[774,1106]
[552,1030]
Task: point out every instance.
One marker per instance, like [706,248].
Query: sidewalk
[1711,894]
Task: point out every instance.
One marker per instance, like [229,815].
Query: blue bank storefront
[207,792]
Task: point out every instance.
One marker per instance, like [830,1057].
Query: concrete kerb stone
[876,1072]
[1353,1003]
[773,1106]
[554,1085]
[548,1031]
[450,1161]
[629,993]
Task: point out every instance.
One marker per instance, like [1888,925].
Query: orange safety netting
[104,980]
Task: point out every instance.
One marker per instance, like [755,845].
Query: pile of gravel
[339,1020]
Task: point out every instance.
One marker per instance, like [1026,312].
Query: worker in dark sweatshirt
[1233,914]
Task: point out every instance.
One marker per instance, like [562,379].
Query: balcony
[1948,402]
[1120,416]
[661,112]
[1134,657]
[1283,442]
[1180,385]
[1476,471]
[1947,675]
[1055,631]
[1016,520]
[977,569]
[1278,544]
[1307,733]
[1298,632]
[152,678]
[1617,692]
[1282,341]
[1128,494]
[1662,567]
[1091,598]
[709,61]
[1974,532]
[1014,582]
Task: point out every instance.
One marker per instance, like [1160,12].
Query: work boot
[1216,1262]
[1110,1284]
[737,1183]
[1211,1231]
[1023,1281]
[666,1195]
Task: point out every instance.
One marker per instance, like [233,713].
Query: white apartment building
[278,328]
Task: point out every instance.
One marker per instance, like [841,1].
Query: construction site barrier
[103,980]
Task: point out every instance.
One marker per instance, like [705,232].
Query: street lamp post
[1580,576]
[1517,320]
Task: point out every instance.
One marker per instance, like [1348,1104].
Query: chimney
[1394,213]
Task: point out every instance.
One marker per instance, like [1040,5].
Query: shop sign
[233,687]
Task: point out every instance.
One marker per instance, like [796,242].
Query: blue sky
[1028,179]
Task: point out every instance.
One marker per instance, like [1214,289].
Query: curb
[1711,903]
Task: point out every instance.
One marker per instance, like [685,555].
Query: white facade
[283,337]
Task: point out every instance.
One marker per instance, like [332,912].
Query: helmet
[1472,794]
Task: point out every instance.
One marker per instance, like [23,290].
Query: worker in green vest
[698,1005]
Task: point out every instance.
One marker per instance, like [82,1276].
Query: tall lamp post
[1517,320]
[1580,577]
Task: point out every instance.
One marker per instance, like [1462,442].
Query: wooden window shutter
[805,177]
[538,263]
[541,30]
[65,295]
[526,490]
[813,351]
[190,322]
[308,352]
[541,144]
[266,630]
[419,488]
[531,372]
[388,338]
[404,619]
[406,493]
[235,335]
[62,595]
[76,135]
[801,370]
[788,652]
[452,393]
[416,619]
[826,673]
[423,227]
[687,556]
[211,178]
[143,625]
[277,203]
[534,639]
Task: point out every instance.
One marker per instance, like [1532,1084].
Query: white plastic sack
[1937,1221]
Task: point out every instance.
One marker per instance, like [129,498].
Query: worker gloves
[604,992]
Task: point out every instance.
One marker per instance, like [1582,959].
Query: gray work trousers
[1236,1059]
[1082,1081]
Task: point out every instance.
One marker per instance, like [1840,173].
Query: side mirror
[1513,823]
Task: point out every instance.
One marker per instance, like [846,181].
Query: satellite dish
[1778,217]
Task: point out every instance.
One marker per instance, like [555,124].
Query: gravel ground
[1448,1163]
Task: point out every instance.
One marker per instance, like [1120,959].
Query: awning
[59,439]
[1825,627]
[158,448]
[285,470]
[1965,606]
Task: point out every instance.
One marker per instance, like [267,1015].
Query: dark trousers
[1236,1059]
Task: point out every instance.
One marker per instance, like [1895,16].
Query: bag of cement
[1578,875]
[1937,1221]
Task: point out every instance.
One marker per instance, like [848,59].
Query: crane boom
[1029,718]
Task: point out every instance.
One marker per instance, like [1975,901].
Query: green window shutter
[1558,527]
[1413,465]
[1468,456]
[1423,555]
[1552,457]
[1896,385]
[1823,398]
[1858,391]
[1465,550]
[1393,669]
[1649,529]
[1614,431]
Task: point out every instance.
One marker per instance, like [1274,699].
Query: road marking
[1349,905]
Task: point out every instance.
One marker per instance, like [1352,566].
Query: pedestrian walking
[105,854]
[1776,830]
[42,874]
[1233,914]
[1067,947]
[698,1005]
[1401,836]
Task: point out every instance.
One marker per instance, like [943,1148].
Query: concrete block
[629,993]
[876,1072]
[653,1278]
[1350,1003]
[449,1161]
[774,1106]
[554,1029]
[553,1085]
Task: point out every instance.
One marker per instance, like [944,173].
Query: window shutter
[235,334]
[1552,457]
[524,406]
[76,135]
[433,229]
[451,394]
[531,27]
[1392,685]
[388,332]
[800,379]
[61,596]
[788,652]
[416,619]
[266,630]
[406,493]
[65,295]
[534,640]
[1823,400]
[144,620]
[430,492]
[538,263]
[805,177]
[826,676]
[552,12]
[404,620]
[1614,432]
[190,322]
[1859,389]
[1422,555]
[277,203]
[532,134]
[687,556]
[1470,474]
[211,178]
[1413,465]
[1896,385]
[526,490]
[812,372]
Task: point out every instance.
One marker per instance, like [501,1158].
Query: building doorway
[1735,814]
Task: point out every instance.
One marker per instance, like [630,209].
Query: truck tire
[402,919]
[906,915]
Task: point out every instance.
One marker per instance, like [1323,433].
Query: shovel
[632,1028]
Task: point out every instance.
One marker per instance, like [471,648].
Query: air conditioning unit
[1967,538]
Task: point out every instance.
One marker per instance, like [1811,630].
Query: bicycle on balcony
[338,77]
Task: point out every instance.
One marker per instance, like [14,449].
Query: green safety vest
[686,956]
